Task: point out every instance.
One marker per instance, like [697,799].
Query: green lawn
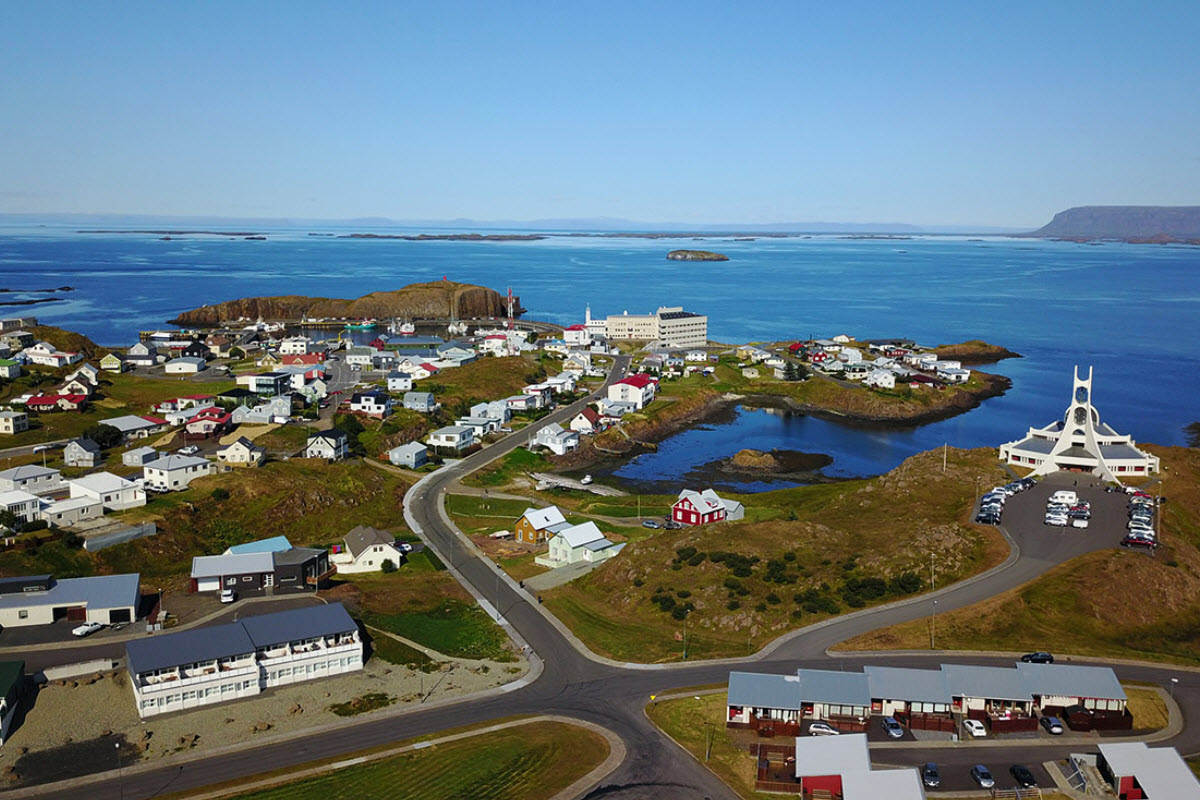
[528,762]
[453,627]
[388,649]
[507,469]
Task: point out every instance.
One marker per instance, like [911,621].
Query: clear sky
[928,113]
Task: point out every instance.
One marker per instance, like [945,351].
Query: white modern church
[1080,442]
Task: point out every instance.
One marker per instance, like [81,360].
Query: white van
[1066,496]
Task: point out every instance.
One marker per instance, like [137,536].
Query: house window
[247,578]
[23,614]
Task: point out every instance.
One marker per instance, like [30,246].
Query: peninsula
[1135,224]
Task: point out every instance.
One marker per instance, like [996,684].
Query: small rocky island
[696,255]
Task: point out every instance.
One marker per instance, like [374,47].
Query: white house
[333,445]
[578,543]
[636,389]
[142,354]
[25,506]
[13,422]
[31,478]
[115,492]
[365,550]
[558,441]
[399,382]
[587,421]
[82,452]
[296,346]
[47,355]
[174,472]
[880,379]
[453,437]
[185,365]
[497,410]
[241,452]
[953,374]
[421,402]
[373,404]
[65,513]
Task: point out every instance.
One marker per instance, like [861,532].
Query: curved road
[569,680]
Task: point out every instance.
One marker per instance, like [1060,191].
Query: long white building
[1080,442]
[672,326]
[225,662]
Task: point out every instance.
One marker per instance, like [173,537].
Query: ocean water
[1131,311]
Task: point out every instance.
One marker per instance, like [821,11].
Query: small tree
[220,493]
[388,566]
[106,436]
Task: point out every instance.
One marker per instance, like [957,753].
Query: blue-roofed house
[215,664]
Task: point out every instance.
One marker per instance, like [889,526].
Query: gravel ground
[72,715]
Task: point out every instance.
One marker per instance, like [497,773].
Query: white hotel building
[203,666]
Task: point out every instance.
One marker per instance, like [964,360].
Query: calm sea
[1131,311]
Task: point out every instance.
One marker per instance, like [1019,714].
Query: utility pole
[933,627]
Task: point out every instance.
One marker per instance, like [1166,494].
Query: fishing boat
[360,325]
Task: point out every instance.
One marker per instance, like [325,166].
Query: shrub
[761,607]
[905,583]
[684,553]
[733,605]
[789,556]
[220,493]
[773,599]
[387,567]
[638,582]
[697,559]
[679,612]
[683,594]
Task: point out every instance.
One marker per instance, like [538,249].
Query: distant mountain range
[1128,223]
[554,225]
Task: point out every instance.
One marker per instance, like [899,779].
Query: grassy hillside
[1110,603]
[802,555]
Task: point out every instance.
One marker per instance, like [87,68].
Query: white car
[975,728]
[1079,522]
[190,450]
[1059,521]
[822,729]
[87,629]
[228,595]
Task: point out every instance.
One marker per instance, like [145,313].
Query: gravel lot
[95,709]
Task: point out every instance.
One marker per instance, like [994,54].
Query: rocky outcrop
[696,255]
[438,300]
[974,352]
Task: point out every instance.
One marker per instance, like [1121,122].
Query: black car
[1038,658]
[1022,776]
[988,519]
[930,776]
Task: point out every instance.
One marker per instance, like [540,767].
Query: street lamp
[933,627]
[686,614]
[120,775]
[1174,681]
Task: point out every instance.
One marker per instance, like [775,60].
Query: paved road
[579,684]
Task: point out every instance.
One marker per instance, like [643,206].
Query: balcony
[171,683]
[287,653]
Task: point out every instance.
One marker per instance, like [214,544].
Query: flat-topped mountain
[1142,223]
[437,300]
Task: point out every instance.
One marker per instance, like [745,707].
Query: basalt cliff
[438,300]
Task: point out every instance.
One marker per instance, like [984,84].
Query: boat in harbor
[361,325]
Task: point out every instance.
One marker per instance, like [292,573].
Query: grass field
[693,723]
[515,464]
[529,762]
[1108,603]
[483,379]
[801,556]
[1147,707]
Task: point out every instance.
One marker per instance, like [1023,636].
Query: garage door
[77,614]
[116,615]
[208,584]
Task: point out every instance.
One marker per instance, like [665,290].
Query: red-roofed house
[577,335]
[307,360]
[636,389]
[587,421]
[209,422]
[57,402]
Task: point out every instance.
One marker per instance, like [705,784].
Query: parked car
[1053,725]
[893,728]
[822,729]
[930,776]
[982,776]
[1040,657]
[404,547]
[228,595]
[190,450]
[87,629]
[649,523]
[987,519]
[1079,522]
[975,728]
[1057,520]
[1022,776]
[1015,487]
[1138,541]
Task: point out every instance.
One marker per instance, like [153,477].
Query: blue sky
[926,113]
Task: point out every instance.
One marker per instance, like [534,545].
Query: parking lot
[1024,513]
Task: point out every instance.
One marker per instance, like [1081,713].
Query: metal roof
[581,535]
[364,536]
[1159,770]
[757,690]
[541,518]
[172,462]
[295,555]
[187,647]
[1068,680]
[987,683]
[894,784]
[271,545]
[913,685]
[828,686]
[128,423]
[299,623]
[832,755]
[1121,451]
[100,591]
[101,482]
[26,472]
[234,564]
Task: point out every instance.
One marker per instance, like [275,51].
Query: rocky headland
[975,352]
[436,300]
[1134,224]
